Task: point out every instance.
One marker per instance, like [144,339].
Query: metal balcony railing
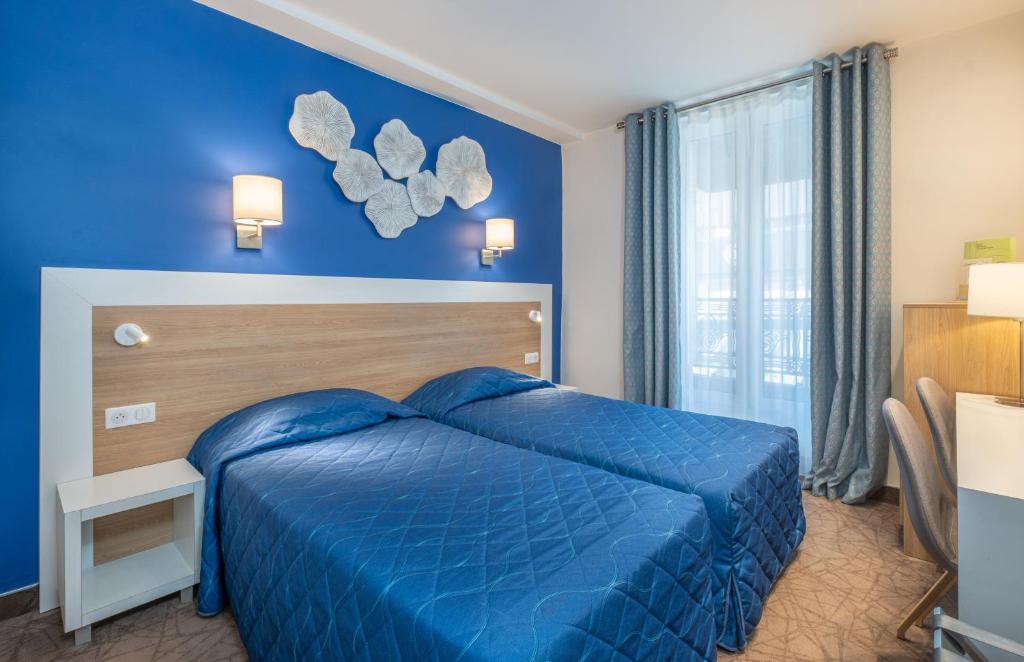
[786,343]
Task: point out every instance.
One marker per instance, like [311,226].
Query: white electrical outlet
[119,417]
[531,358]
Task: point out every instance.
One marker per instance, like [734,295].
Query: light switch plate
[531,357]
[119,417]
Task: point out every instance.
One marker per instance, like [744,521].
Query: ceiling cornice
[344,42]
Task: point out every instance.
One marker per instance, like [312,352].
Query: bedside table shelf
[91,593]
[118,585]
[124,490]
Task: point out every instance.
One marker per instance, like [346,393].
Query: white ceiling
[562,68]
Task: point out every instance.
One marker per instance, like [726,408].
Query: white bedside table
[91,593]
[566,387]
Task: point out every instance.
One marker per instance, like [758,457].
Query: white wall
[957,160]
[592,185]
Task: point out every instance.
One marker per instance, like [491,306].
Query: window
[745,165]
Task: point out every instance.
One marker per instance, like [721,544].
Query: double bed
[747,473]
[342,525]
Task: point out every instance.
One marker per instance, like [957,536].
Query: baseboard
[886,494]
[19,601]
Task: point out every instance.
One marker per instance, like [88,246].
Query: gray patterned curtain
[850,369]
[651,280]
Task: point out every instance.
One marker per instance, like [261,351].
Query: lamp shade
[996,290]
[257,200]
[501,234]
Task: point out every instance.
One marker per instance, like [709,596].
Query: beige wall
[958,174]
[592,185]
[957,159]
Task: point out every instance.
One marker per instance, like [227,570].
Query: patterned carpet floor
[846,591]
[840,599]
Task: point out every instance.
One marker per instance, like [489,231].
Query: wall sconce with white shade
[535,316]
[130,334]
[499,235]
[257,201]
[997,290]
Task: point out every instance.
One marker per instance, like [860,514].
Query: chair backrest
[921,490]
[941,414]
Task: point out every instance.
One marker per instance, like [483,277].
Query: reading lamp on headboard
[130,334]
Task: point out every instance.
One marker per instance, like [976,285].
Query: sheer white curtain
[746,258]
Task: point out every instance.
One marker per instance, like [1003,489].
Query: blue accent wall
[121,125]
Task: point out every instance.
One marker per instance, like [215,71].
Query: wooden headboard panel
[269,334]
[206,361]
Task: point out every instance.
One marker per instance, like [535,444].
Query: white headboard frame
[65,366]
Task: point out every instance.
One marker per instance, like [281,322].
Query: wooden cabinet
[963,354]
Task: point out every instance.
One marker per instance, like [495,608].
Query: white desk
[990,511]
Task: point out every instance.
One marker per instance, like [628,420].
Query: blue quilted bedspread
[746,472]
[344,528]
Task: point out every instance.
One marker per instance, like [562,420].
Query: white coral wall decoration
[390,210]
[399,152]
[321,122]
[358,175]
[427,193]
[462,168]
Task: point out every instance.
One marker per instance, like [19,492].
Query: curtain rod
[888,55]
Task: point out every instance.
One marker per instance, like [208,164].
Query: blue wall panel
[121,125]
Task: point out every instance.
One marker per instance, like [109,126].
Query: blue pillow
[291,419]
[441,395]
